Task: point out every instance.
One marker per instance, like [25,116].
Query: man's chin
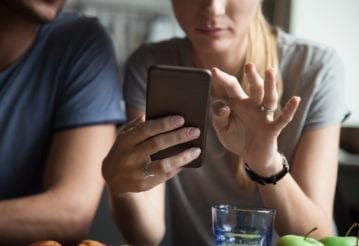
[40,11]
[45,13]
[45,17]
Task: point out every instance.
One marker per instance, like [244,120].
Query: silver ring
[146,171]
[267,110]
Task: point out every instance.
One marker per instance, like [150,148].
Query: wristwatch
[268,180]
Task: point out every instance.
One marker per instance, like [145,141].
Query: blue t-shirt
[68,78]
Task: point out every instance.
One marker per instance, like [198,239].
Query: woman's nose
[215,7]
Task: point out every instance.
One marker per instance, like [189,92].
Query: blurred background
[334,23]
[130,22]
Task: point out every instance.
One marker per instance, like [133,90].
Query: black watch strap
[268,180]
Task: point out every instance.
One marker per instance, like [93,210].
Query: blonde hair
[262,51]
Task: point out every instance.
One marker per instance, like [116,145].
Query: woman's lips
[211,31]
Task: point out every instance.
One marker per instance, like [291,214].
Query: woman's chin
[215,47]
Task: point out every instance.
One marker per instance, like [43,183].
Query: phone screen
[184,91]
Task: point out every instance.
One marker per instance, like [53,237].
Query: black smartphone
[185,91]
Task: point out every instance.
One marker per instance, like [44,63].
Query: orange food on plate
[86,242]
[90,243]
[46,243]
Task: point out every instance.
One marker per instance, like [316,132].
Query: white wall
[336,23]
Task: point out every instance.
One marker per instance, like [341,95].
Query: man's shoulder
[74,35]
[68,24]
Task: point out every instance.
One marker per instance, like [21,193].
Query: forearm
[304,198]
[140,216]
[42,216]
[296,213]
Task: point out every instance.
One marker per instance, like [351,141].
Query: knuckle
[177,136]
[257,84]
[232,84]
[187,158]
[156,142]
[164,166]
[146,131]
[232,79]
[272,103]
[165,124]
[168,175]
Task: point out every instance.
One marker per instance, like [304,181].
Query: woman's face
[215,25]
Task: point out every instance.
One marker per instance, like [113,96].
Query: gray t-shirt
[310,71]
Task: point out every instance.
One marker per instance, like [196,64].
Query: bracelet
[268,180]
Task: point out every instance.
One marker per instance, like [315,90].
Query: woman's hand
[245,123]
[127,167]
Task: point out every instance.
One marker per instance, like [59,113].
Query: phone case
[184,91]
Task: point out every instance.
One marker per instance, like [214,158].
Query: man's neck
[17,35]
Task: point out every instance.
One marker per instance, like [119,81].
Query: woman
[249,129]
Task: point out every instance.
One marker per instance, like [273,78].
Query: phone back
[180,91]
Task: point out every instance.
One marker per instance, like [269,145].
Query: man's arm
[72,189]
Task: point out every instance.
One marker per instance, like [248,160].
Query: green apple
[340,241]
[295,240]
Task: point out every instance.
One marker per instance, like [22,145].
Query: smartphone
[185,91]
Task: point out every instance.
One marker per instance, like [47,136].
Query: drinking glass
[242,226]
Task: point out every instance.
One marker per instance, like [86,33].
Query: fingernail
[193,132]
[195,152]
[177,120]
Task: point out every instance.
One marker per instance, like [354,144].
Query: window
[334,23]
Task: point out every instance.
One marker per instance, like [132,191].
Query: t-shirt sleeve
[90,93]
[329,106]
[135,79]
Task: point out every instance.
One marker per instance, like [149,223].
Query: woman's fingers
[221,113]
[287,114]
[261,92]
[256,90]
[270,99]
[225,86]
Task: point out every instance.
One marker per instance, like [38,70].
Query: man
[59,107]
